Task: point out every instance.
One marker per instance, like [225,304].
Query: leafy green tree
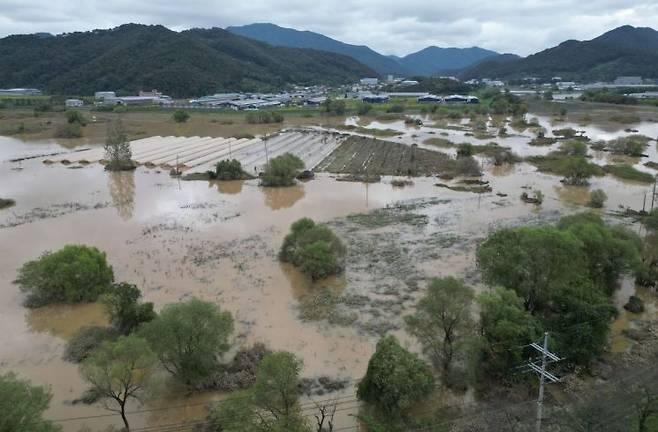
[442,321]
[120,371]
[597,198]
[22,406]
[74,274]
[123,308]
[86,340]
[580,322]
[395,378]
[363,108]
[610,251]
[282,170]
[188,337]
[533,261]
[117,148]
[335,107]
[578,171]
[271,405]
[314,248]
[574,148]
[504,326]
[181,116]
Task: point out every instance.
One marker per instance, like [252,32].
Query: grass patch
[542,141]
[628,172]
[439,142]
[559,164]
[388,216]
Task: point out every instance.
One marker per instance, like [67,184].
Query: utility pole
[653,194]
[546,358]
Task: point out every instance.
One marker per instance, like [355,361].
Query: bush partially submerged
[69,130]
[6,202]
[314,249]
[264,117]
[282,170]
[74,274]
[86,340]
[632,145]
[597,198]
[228,170]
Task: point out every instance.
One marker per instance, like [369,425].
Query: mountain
[625,50]
[434,60]
[189,63]
[287,37]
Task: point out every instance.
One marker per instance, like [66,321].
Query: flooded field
[219,242]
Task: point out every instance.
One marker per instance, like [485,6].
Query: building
[152,93]
[20,92]
[430,99]
[457,99]
[372,98]
[408,83]
[628,81]
[644,95]
[369,81]
[316,101]
[100,95]
[74,103]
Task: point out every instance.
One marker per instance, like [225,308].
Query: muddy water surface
[218,241]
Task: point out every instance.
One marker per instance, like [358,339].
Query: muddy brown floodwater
[218,241]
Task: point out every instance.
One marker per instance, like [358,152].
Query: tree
[314,248]
[271,405]
[609,251]
[228,170]
[597,198]
[188,337]
[120,371]
[504,326]
[282,170]
[75,116]
[74,274]
[117,148]
[395,378]
[578,171]
[123,308]
[580,322]
[442,321]
[533,261]
[332,106]
[181,116]
[22,406]
[275,390]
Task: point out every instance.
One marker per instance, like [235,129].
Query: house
[628,81]
[316,101]
[74,103]
[408,83]
[152,93]
[461,99]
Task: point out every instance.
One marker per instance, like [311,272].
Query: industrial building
[74,103]
[20,92]
[373,98]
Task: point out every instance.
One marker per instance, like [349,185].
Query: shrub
[465,150]
[565,132]
[264,117]
[395,108]
[334,107]
[6,202]
[395,378]
[74,274]
[228,170]
[181,116]
[574,148]
[467,166]
[632,145]
[69,130]
[314,249]
[597,198]
[86,340]
[282,170]
[75,116]
[577,172]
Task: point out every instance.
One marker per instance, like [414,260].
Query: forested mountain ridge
[132,57]
[625,50]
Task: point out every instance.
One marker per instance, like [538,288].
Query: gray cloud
[388,26]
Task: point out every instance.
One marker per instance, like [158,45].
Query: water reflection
[64,320]
[302,286]
[232,187]
[277,198]
[122,190]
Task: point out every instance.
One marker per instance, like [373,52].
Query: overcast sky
[388,26]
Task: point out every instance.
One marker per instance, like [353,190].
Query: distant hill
[194,62]
[287,37]
[434,60]
[625,50]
